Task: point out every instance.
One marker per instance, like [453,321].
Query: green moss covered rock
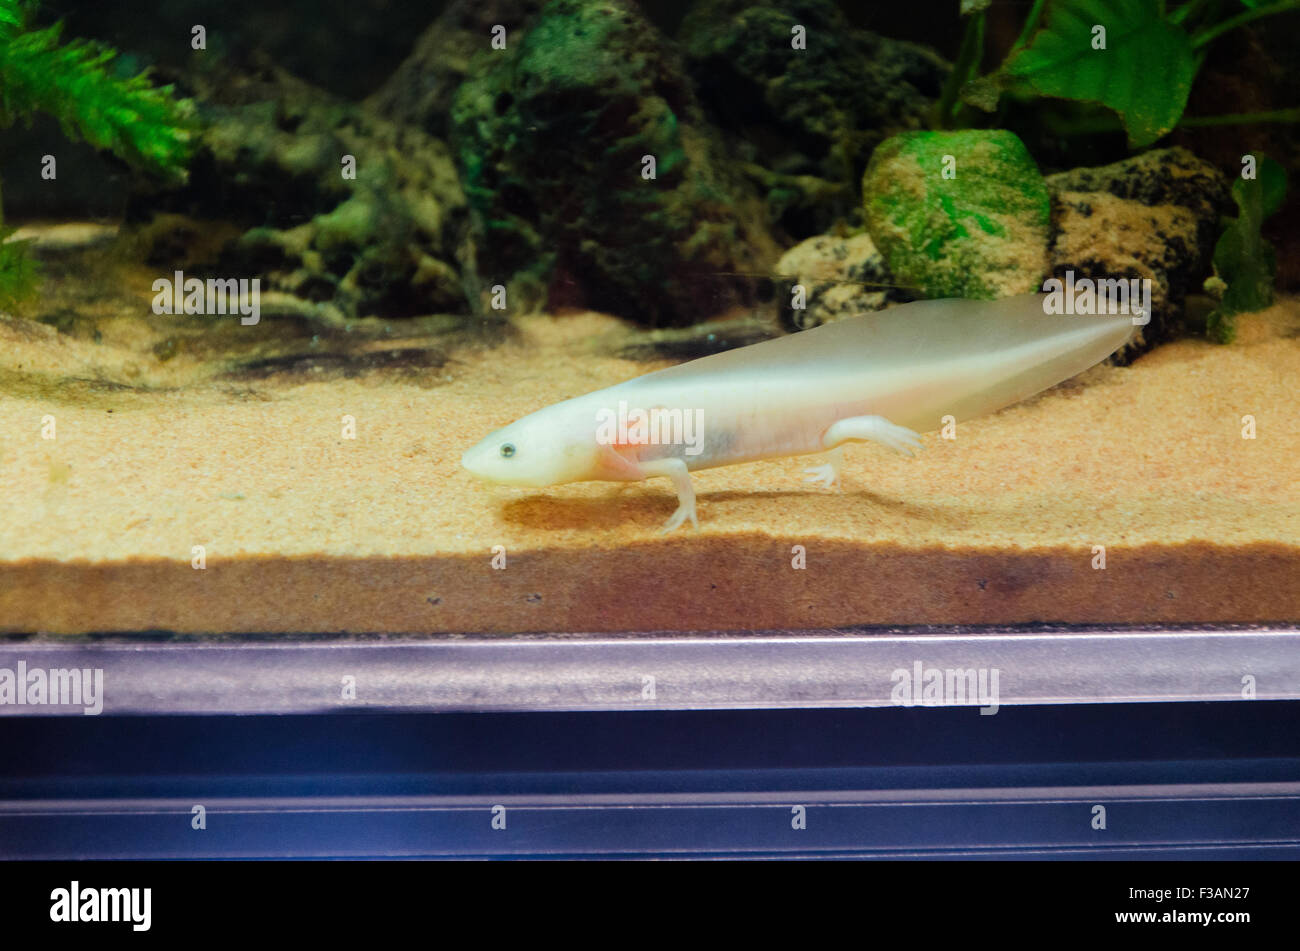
[550,136]
[806,118]
[393,241]
[421,90]
[959,214]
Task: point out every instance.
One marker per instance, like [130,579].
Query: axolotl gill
[882,377]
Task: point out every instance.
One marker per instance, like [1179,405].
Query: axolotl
[883,377]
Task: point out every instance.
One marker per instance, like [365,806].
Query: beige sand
[305,531]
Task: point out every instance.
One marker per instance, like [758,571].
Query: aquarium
[602,355]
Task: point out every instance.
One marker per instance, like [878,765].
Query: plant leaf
[11,17]
[19,276]
[1243,260]
[1144,71]
[1270,178]
[141,123]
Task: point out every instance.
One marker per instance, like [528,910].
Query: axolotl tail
[917,363]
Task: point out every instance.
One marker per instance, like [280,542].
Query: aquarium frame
[860,667]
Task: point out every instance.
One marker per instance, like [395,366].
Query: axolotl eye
[507,449]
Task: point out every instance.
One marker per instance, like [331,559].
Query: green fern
[142,124]
[12,17]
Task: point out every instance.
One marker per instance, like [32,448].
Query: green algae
[959,214]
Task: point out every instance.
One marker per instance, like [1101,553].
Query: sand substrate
[299,529]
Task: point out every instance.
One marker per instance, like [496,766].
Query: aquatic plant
[80,84]
[1151,57]
[1244,263]
[1137,59]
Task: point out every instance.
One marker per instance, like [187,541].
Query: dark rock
[550,136]
[702,340]
[817,112]
[1152,217]
[421,89]
[411,363]
[348,48]
[841,277]
[801,205]
[1160,177]
[392,242]
[90,183]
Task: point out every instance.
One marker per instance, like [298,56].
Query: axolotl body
[882,377]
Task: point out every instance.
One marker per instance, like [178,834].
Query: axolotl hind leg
[827,475]
[872,429]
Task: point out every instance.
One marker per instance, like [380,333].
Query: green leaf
[11,14]
[19,277]
[1243,260]
[1270,181]
[967,65]
[141,123]
[14,15]
[1143,73]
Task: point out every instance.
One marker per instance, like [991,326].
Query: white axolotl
[881,376]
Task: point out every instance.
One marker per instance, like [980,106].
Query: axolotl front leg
[676,470]
[617,465]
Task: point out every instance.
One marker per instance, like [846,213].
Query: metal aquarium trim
[773,669]
[1201,821]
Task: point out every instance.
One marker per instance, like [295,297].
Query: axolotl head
[550,447]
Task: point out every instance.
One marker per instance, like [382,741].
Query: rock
[840,276]
[980,233]
[64,237]
[551,137]
[1152,217]
[346,48]
[800,205]
[90,184]
[700,340]
[1161,177]
[815,112]
[421,90]
[392,242]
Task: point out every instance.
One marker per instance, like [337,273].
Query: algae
[959,214]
